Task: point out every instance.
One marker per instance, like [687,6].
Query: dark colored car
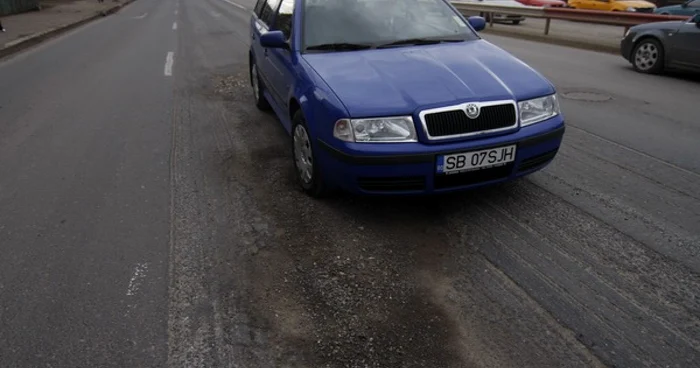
[655,47]
[662,3]
[688,8]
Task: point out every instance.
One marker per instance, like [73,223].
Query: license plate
[475,160]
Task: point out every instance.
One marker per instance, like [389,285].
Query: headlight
[631,9]
[393,129]
[538,109]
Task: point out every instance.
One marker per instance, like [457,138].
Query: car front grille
[391,184]
[456,122]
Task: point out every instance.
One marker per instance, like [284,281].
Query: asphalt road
[149,217]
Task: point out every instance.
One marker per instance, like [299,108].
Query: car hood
[404,79]
[549,2]
[637,4]
[491,2]
[669,7]
[668,25]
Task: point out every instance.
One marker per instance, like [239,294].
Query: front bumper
[385,172]
[626,46]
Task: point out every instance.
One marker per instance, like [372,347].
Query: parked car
[689,8]
[544,3]
[655,47]
[662,3]
[499,18]
[380,99]
[638,6]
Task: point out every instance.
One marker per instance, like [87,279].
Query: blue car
[398,97]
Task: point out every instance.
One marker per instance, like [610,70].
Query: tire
[309,178]
[258,87]
[516,22]
[648,56]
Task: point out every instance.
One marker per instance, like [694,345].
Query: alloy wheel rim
[303,154]
[646,56]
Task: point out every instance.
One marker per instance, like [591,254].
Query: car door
[686,44]
[263,18]
[281,67]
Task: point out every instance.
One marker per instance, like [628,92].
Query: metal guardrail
[622,19]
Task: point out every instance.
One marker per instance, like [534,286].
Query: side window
[268,12]
[259,7]
[694,4]
[284,17]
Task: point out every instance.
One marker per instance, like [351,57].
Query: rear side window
[284,17]
[267,13]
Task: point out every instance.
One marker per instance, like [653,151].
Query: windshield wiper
[419,41]
[340,46]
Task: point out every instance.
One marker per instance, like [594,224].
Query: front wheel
[258,87]
[648,56]
[305,163]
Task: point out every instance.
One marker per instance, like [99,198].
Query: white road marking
[140,16]
[137,278]
[174,26]
[215,14]
[234,4]
[169,60]
[175,11]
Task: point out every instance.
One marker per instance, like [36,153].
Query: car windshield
[356,24]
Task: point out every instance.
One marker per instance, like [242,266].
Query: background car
[662,3]
[654,47]
[691,7]
[544,3]
[499,18]
[638,6]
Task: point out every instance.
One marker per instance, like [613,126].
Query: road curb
[554,40]
[40,37]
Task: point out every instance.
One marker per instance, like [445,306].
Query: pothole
[586,96]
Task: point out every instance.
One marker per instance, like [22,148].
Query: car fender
[319,104]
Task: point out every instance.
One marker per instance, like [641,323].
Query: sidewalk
[29,28]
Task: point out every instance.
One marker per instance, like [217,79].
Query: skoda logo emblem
[472,111]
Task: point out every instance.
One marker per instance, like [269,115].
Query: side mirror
[274,40]
[478,23]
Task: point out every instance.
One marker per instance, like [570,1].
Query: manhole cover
[587,96]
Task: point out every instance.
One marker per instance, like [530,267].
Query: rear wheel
[307,168]
[648,56]
[258,87]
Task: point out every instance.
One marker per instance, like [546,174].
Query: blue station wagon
[398,97]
